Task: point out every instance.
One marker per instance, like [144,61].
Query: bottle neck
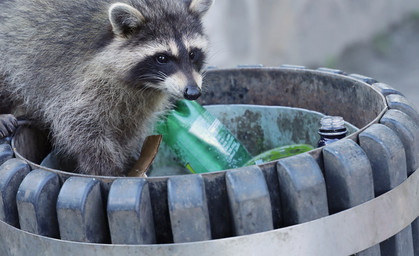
[333,132]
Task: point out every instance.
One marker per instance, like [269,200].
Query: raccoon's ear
[200,7]
[124,19]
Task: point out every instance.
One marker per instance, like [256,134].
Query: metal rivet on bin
[249,200]
[12,172]
[129,212]
[80,211]
[188,208]
[303,189]
[36,201]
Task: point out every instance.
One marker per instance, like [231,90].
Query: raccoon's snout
[192,92]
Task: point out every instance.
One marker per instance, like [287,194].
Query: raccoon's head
[164,44]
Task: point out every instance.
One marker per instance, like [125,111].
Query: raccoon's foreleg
[101,156]
[8,124]
[99,153]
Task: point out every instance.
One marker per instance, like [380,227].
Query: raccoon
[95,72]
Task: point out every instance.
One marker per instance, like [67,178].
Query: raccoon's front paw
[8,124]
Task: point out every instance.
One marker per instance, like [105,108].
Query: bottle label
[212,132]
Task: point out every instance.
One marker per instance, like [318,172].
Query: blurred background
[376,38]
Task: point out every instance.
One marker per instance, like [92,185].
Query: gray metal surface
[402,119]
[12,172]
[249,200]
[303,189]
[399,102]
[80,211]
[363,78]
[6,153]
[348,175]
[408,132]
[386,89]
[301,88]
[386,154]
[415,234]
[6,140]
[36,200]
[331,71]
[344,232]
[349,179]
[188,208]
[129,212]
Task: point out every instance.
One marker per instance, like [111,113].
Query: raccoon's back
[43,43]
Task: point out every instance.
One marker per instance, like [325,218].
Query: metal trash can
[358,195]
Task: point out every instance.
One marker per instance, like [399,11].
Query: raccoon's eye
[162,59]
[192,55]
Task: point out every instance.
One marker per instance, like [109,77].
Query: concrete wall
[301,32]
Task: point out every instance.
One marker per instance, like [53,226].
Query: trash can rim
[288,68]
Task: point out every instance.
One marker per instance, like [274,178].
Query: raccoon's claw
[8,124]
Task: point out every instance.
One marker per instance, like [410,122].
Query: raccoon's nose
[192,92]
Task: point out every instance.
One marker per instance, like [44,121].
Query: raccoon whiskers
[161,75]
[204,73]
[158,76]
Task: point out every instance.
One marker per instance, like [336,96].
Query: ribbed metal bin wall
[356,196]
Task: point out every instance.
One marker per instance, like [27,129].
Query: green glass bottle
[200,140]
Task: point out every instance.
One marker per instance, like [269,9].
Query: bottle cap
[332,125]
